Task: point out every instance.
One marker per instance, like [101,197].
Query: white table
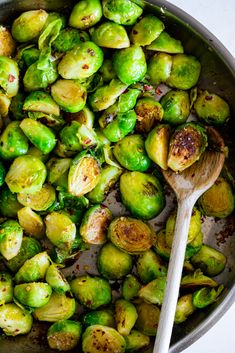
[218,17]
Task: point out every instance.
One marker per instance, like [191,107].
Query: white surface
[218,17]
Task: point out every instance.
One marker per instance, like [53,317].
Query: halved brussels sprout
[206,296]
[149,112]
[34,294]
[59,307]
[159,68]
[103,317]
[136,341]
[110,35]
[40,101]
[5,102]
[57,168]
[130,64]
[14,320]
[127,100]
[11,235]
[153,292]
[150,266]
[113,263]
[69,38]
[36,79]
[124,12]
[142,194]
[131,235]
[148,318]
[92,292]
[33,269]
[64,335]
[95,223]
[184,308]
[71,204]
[107,70]
[211,108]
[146,30]
[41,200]
[125,316]
[160,245]
[85,117]
[197,279]
[85,14]
[7,44]
[56,279]
[165,43]
[31,223]
[218,201]
[13,143]
[6,288]
[176,107]
[157,143]
[130,287]
[9,76]
[186,146]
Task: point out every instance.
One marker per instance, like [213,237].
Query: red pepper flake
[87,141]
[85,67]
[11,78]
[208,98]
[158,91]
[148,87]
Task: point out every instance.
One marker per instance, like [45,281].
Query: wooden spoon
[188,187]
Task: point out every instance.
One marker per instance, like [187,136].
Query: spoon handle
[166,322]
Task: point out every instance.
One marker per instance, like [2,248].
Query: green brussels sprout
[124,12]
[150,266]
[91,292]
[105,96]
[176,107]
[11,235]
[71,203]
[184,308]
[57,167]
[40,101]
[69,94]
[206,296]
[135,341]
[30,55]
[194,246]
[6,288]
[70,138]
[130,64]
[159,68]
[148,318]
[33,269]
[36,79]
[107,70]
[31,223]
[84,117]
[13,143]
[34,294]
[29,248]
[69,38]
[41,200]
[87,137]
[59,307]
[84,174]
[130,287]
[130,153]
[110,35]
[56,279]
[142,194]
[146,30]
[218,201]
[64,335]
[127,100]
[125,316]
[131,235]
[85,14]
[5,102]
[7,43]
[185,71]
[9,76]
[94,224]
[29,25]
[156,145]
[165,43]
[209,260]
[14,320]
[149,112]
[153,292]
[98,317]
[187,144]
[113,263]
[197,279]
[160,245]
[108,178]
[211,108]
[35,152]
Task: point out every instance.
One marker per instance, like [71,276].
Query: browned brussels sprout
[64,335]
[125,316]
[31,222]
[160,245]
[148,318]
[153,292]
[11,235]
[184,308]
[7,44]
[130,287]
[149,112]
[197,279]
[41,200]
[85,14]
[14,320]
[149,266]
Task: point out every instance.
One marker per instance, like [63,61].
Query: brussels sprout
[176,107]
[71,203]
[30,55]
[69,38]
[218,201]
[11,235]
[59,307]
[36,79]
[84,117]
[149,112]
[91,292]
[130,287]
[9,76]
[153,292]
[39,101]
[70,138]
[160,245]
[194,246]
[16,107]
[7,44]
[105,96]
[130,64]
[206,296]
[84,174]
[5,102]
[107,70]
[124,12]
[2,179]
[159,68]
[53,16]
[186,146]
[135,341]
[41,200]
[146,30]
[157,143]
[197,279]
[165,43]
[13,142]
[31,223]
[56,280]
[64,335]
[98,317]
[184,308]
[150,266]
[34,294]
[85,14]
[57,168]
[35,152]
[127,100]
[211,108]
[125,316]
[6,288]
[33,269]
[111,35]
[87,137]
[29,248]
[142,194]
[148,318]
[131,235]
[14,320]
